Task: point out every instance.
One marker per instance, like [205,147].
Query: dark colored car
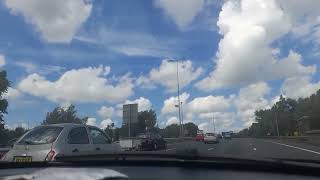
[150,141]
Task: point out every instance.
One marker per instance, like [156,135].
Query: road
[252,148]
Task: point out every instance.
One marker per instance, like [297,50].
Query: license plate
[23,159]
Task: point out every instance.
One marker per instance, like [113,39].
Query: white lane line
[210,149]
[315,152]
[170,149]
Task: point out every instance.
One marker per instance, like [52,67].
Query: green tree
[147,121]
[61,115]
[4,85]
[110,131]
[190,129]
[287,112]
[171,131]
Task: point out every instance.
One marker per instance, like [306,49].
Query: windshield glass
[41,135]
[220,78]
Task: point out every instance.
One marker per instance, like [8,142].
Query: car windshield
[41,135]
[216,78]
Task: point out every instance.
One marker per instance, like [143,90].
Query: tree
[147,121]
[4,85]
[287,112]
[61,115]
[190,129]
[109,131]
[171,131]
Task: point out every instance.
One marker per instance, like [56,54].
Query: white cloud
[166,74]
[223,121]
[2,60]
[78,85]
[304,15]
[131,43]
[145,83]
[250,99]
[144,104]
[208,104]
[182,12]
[40,69]
[206,127]
[12,94]
[245,56]
[105,123]
[169,105]
[106,112]
[299,87]
[57,20]
[91,121]
[172,120]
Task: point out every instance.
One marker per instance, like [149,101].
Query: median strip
[315,152]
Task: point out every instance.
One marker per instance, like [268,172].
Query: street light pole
[182,126]
[178,90]
[214,125]
[179,106]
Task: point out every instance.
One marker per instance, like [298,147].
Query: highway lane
[251,148]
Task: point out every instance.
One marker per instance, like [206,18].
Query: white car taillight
[50,156]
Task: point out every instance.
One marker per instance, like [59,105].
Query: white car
[44,143]
[210,138]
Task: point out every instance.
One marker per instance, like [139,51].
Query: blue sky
[235,57]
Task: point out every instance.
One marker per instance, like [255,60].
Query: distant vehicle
[210,138]
[199,136]
[227,135]
[45,143]
[151,141]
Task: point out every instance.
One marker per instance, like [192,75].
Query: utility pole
[182,121]
[214,125]
[178,91]
[179,106]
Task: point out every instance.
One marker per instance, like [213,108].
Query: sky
[234,57]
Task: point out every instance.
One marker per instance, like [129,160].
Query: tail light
[50,156]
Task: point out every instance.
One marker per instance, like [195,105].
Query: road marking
[210,149]
[315,152]
[170,149]
[254,149]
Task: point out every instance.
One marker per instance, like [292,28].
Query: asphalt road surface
[251,148]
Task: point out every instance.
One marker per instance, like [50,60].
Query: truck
[129,144]
[144,141]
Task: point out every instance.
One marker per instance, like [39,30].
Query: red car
[200,137]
